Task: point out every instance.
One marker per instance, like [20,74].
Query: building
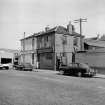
[94,43]
[50,47]
[93,54]
[29,50]
[9,56]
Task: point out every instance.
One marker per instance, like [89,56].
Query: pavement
[100,76]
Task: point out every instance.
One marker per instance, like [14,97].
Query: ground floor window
[33,58]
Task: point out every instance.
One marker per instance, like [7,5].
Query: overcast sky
[31,16]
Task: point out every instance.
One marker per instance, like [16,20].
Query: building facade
[51,47]
[28,50]
[9,56]
[93,54]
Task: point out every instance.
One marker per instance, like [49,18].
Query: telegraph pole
[80,23]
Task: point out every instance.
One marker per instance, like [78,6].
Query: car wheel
[79,74]
[7,68]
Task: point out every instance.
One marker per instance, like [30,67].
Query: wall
[30,51]
[45,41]
[64,44]
[77,43]
[45,45]
[30,44]
[93,58]
[29,59]
[35,43]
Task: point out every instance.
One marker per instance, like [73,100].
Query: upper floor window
[44,41]
[75,41]
[64,39]
[32,43]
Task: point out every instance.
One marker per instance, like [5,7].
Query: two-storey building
[57,44]
[52,45]
[28,50]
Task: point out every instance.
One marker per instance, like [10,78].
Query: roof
[102,38]
[91,39]
[9,50]
[29,36]
[57,29]
[60,30]
[96,43]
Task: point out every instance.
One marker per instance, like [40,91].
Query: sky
[32,16]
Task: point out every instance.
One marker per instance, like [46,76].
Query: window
[64,39]
[32,43]
[47,38]
[75,41]
[33,58]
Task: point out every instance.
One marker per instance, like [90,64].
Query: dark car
[24,67]
[78,69]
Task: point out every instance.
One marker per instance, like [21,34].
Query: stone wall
[95,59]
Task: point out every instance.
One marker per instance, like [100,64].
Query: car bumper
[90,74]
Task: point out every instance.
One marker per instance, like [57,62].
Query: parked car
[24,67]
[4,66]
[1,66]
[78,69]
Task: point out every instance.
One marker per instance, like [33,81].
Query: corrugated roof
[9,50]
[96,43]
[91,39]
[102,38]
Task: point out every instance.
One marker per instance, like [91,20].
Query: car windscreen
[73,64]
[83,65]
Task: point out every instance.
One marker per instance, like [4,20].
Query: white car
[4,66]
[1,66]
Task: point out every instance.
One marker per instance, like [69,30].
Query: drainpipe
[54,54]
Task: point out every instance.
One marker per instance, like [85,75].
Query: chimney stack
[70,28]
[47,28]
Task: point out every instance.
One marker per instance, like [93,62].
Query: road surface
[49,88]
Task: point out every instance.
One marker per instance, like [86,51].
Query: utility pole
[80,22]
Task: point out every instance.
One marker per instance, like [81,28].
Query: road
[49,88]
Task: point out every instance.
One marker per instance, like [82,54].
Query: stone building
[52,45]
[28,50]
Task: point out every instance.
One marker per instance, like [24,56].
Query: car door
[74,68]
